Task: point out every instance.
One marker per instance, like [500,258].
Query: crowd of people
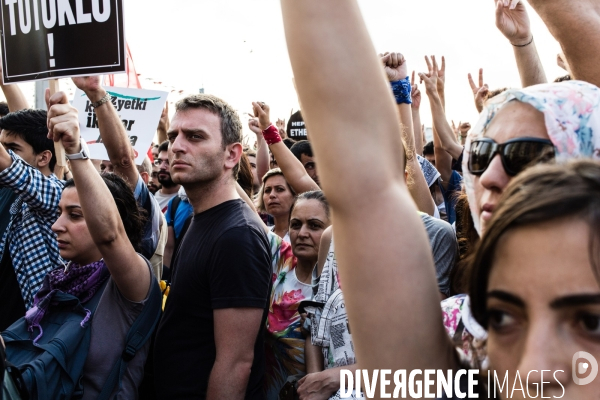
[477,250]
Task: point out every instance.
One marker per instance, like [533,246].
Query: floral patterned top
[284,344]
[468,336]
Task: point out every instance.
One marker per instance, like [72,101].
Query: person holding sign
[29,249]
[99,231]
[122,158]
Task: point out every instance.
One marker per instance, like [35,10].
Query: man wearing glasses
[169,188]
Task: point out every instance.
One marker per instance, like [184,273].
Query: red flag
[129,79]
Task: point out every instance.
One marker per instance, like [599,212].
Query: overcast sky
[236,49]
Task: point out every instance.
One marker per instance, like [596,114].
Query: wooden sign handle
[59,150]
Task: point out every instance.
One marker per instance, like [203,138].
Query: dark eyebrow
[576,300]
[507,297]
[73,206]
[12,144]
[193,131]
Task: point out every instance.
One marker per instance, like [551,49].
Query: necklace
[306,277]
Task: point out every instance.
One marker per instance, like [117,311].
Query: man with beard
[153,185]
[210,341]
[169,188]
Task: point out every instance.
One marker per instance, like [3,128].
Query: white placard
[139,111]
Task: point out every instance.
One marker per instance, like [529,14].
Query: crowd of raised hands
[373,245]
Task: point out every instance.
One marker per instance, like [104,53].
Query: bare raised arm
[263,162]
[353,123]
[575,24]
[416,115]
[129,271]
[396,68]
[292,168]
[14,96]
[479,91]
[115,139]
[445,145]
[163,124]
[512,20]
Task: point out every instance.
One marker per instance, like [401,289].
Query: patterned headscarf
[572,114]
[81,281]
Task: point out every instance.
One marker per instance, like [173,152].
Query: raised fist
[395,66]
[63,122]
[261,111]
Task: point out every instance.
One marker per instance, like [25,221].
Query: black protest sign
[43,39]
[295,128]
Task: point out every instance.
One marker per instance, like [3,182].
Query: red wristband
[271,135]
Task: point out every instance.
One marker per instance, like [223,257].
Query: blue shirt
[183,212]
[151,233]
[450,194]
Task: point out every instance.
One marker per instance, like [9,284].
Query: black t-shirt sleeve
[239,271]
[457,164]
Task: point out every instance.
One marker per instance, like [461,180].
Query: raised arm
[575,24]
[395,68]
[479,92]
[113,134]
[445,146]
[292,168]
[41,193]
[416,115]
[354,124]
[263,164]
[129,271]
[14,96]
[512,20]
[163,124]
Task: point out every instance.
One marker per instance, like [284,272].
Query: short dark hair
[563,79]
[311,195]
[231,126]
[493,93]
[164,146]
[4,108]
[289,142]
[428,149]
[302,147]
[133,216]
[31,126]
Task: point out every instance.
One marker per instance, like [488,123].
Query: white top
[163,199]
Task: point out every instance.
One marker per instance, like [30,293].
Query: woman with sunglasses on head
[325,40]
[518,129]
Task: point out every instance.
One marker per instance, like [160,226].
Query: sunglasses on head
[515,154]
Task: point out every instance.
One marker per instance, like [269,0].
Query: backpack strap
[174,206]
[138,335]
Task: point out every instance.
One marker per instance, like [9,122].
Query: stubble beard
[203,174]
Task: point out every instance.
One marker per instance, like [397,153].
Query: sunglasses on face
[515,154]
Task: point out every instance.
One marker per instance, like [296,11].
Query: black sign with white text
[44,39]
[296,129]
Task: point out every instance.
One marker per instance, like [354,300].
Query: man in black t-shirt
[209,342]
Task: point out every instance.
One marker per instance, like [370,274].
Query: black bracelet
[524,45]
